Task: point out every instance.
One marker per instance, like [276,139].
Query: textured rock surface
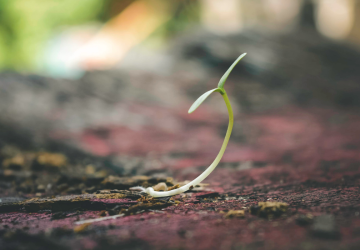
[294,170]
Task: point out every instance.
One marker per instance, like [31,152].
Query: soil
[289,178]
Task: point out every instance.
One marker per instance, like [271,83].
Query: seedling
[213,165]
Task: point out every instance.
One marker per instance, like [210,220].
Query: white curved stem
[213,165]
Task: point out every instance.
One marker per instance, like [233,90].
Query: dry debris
[174,187]
[51,159]
[124,183]
[146,203]
[81,228]
[102,213]
[117,194]
[235,214]
[269,209]
[16,162]
[111,196]
[160,187]
[100,201]
[197,188]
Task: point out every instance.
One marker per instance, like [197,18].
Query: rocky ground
[70,151]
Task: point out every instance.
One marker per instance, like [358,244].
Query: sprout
[213,165]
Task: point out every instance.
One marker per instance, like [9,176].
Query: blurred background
[115,79]
[59,38]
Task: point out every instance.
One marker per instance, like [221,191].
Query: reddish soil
[306,159]
[70,150]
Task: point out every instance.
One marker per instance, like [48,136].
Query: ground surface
[75,158]
[319,182]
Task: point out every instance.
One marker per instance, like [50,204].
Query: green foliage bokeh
[25,25]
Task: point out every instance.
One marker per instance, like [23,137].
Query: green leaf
[227,73]
[200,100]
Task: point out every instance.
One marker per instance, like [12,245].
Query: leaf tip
[200,100]
[227,73]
